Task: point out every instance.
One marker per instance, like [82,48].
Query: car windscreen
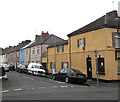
[37,66]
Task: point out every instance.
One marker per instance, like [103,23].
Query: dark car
[3,74]
[11,67]
[22,68]
[70,75]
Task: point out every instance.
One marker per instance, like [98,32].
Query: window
[17,54]
[118,64]
[26,52]
[53,65]
[101,66]
[38,50]
[33,51]
[116,40]
[81,42]
[60,48]
[64,64]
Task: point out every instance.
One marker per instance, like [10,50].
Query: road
[21,86]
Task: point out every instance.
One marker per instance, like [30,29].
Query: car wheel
[67,79]
[53,77]
[6,78]
[32,73]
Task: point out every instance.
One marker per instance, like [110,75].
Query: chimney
[112,14]
[43,34]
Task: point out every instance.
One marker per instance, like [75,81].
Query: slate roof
[46,40]
[106,21]
[65,42]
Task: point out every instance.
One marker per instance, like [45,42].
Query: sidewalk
[103,84]
[91,82]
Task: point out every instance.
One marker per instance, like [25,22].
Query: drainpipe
[70,52]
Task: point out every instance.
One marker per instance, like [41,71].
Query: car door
[63,74]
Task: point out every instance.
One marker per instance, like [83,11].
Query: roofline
[92,29]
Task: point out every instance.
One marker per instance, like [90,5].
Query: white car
[36,69]
[5,67]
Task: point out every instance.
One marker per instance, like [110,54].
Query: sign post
[96,55]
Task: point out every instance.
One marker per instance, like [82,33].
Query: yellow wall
[101,40]
[58,57]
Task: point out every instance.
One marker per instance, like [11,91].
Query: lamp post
[96,55]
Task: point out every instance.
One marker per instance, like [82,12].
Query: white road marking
[5,91]
[56,81]
[17,89]
[63,86]
[42,88]
[32,88]
[72,86]
[28,78]
[54,87]
[61,82]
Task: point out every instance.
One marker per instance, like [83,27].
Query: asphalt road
[20,86]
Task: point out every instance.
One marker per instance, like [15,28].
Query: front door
[89,68]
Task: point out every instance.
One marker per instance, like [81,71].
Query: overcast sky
[23,19]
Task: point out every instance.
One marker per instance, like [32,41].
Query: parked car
[11,67]
[21,68]
[70,75]
[3,74]
[5,67]
[36,69]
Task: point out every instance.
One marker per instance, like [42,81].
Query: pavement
[91,82]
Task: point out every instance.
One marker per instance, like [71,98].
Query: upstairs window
[116,40]
[60,48]
[33,51]
[81,42]
[26,52]
[38,50]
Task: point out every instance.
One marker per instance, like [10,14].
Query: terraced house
[36,50]
[101,37]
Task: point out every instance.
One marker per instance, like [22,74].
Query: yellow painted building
[58,56]
[101,37]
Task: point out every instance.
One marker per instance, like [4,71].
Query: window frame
[60,48]
[81,42]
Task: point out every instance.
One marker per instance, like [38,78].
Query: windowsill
[101,73]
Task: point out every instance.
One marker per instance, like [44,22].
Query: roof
[28,45]
[46,40]
[110,20]
[65,42]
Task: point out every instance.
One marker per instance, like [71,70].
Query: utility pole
[96,55]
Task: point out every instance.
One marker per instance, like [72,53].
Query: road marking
[42,88]
[17,89]
[63,86]
[72,86]
[28,78]
[61,82]
[32,88]
[5,91]
[54,87]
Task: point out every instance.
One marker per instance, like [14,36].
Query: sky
[21,20]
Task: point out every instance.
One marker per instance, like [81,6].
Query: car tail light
[74,74]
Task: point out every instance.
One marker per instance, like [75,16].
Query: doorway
[89,68]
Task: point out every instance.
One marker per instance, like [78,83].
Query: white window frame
[81,42]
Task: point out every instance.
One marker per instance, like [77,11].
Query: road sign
[96,53]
